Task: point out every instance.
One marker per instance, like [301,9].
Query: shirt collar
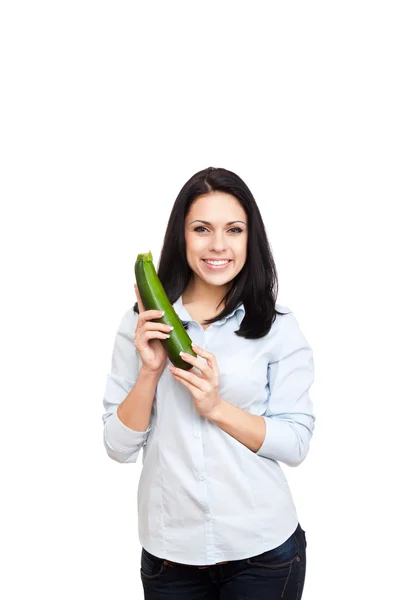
[186,318]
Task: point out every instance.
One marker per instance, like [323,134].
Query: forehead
[217,206]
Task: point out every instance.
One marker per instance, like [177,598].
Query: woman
[216,516]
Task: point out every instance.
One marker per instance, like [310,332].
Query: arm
[246,428]
[284,431]
[128,397]
[134,412]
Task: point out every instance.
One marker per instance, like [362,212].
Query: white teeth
[217,262]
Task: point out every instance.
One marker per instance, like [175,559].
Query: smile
[216,265]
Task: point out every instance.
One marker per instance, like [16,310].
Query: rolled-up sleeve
[121,443]
[289,416]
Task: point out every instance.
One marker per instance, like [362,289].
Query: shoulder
[289,336]
[283,317]
[125,359]
[128,323]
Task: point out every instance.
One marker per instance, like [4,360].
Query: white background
[107,109]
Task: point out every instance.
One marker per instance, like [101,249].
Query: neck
[204,294]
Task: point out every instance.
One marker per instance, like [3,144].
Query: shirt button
[197,434]
[208,517]
[202,477]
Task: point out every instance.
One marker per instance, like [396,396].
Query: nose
[218,244]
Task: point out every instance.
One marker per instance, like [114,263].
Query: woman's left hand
[205,387]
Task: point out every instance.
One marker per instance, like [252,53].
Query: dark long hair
[257,283]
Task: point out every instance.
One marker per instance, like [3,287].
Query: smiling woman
[215,512]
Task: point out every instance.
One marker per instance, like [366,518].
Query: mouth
[216,265]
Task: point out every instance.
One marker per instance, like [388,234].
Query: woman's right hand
[147,338]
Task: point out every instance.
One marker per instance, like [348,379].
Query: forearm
[248,429]
[135,410]
[126,431]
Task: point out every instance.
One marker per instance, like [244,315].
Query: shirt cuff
[279,441]
[120,436]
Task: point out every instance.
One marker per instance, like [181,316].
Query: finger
[204,354]
[190,377]
[196,362]
[151,325]
[151,335]
[145,337]
[146,317]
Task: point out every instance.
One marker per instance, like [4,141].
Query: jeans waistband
[170,562]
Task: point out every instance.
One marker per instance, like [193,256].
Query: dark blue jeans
[275,574]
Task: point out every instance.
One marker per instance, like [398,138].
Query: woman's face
[216,229]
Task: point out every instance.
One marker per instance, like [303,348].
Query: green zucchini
[154,297]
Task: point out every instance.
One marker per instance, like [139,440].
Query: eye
[238,229]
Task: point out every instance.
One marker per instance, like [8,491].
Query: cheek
[195,247]
[240,249]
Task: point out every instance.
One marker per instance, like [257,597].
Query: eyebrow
[208,222]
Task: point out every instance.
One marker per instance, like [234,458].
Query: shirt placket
[202,339]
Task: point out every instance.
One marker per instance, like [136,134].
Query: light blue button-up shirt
[203,496]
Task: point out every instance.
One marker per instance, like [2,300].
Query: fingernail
[194,345]
[162,312]
[182,354]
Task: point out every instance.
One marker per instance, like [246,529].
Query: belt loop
[168,563]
